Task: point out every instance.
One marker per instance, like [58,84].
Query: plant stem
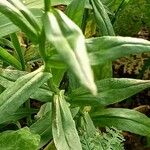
[47,5]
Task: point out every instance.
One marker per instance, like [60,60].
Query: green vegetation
[56,82]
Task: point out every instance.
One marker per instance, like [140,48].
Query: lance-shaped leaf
[63,126]
[21,139]
[43,125]
[69,42]
[120,7]
[18,49]
[110,91]
[19,114]
[111,48]
[7,78]
[106,28]
[26,13]
[5,56]
[18,19]
[123,119]
[19,92]
[7,27]
[12,75]
[75,11]
[102,18]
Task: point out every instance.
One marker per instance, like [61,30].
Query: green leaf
[43,125]
[6,42]
[106,28]
[18,19]
[26,13]
[39,3]
[19,92]
[110,91]
[5,56]
[119,9]
[21,139]
[123,119]
[7,78]
[107,48]
[19,114]
[7,27]
[111,48]
[18,49]
[69,42]
[75,11]
[89,134]
[63,126]
[102,18]
[11,75]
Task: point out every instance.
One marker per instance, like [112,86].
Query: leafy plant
[51,51]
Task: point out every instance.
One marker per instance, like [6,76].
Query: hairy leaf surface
[63,126]
[69,42]
[110,91]
[19,92]
[123,119]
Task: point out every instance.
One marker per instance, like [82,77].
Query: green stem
[47,4]
[50,82]
[42,40]
[42,50]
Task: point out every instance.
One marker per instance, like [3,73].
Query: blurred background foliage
[133,17]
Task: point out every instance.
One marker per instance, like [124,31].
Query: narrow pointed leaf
[43,126]
[102,18]
[63,126]
[19,92]
[69,42]
[123,119]
[106,29]
[75,11]
[18,49]
[26,13]
[7,27]
[7,78]
[19,114]
[5,56]
[111,48]
[110,91]
[18,19]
